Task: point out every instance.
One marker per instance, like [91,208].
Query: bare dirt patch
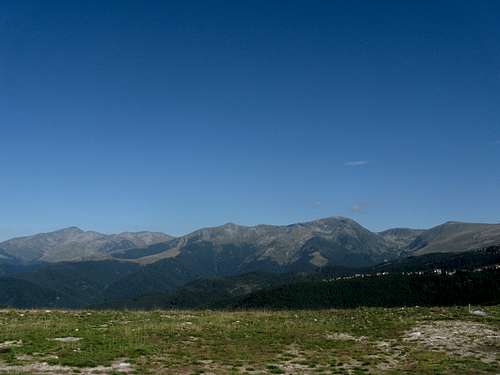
[468,339]
[67,339]
[45,368]
[6,345]
[344,337]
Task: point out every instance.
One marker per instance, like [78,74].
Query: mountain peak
[336,221]
[339,218]
[68,230]
[231,225]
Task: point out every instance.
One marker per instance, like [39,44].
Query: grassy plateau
[365,340]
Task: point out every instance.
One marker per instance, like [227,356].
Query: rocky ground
[403,340]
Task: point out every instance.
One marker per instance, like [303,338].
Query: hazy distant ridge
[232,248]
[73,244]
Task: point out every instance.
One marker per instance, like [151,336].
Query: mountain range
[329,241]
[74,244]
[74,268]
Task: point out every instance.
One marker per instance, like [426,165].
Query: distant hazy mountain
[71,244]
[455,237]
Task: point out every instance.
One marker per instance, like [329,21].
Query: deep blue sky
[173,115]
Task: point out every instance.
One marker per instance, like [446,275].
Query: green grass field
[358,341]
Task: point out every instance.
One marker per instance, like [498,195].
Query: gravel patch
[468,339]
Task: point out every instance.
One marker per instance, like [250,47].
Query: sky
[174,115]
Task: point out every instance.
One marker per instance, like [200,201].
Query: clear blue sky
[174,115]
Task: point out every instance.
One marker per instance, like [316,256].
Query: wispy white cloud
[356,163]
[358,208]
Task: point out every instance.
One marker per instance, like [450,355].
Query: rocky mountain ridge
[74,244]
[329,241]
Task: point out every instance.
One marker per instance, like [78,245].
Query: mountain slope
[401,237]
[224,291]
[25,294]
[455,237]
[334,240]
[64,284]
[128,265]
[87,282]
[390,290]
[231,250]
[207,293]
[72,244]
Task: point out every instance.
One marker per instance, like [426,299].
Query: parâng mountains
[88,267]
[72,244]
[330,241]
[234,248]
